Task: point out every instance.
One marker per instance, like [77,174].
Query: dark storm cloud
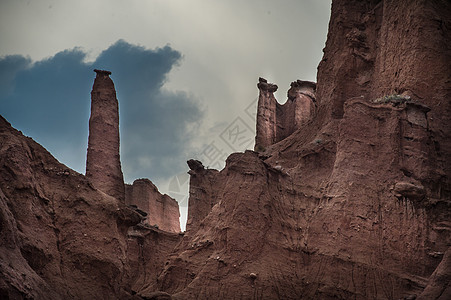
[50,100]
[156,125]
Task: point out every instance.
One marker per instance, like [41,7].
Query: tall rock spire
[103,164]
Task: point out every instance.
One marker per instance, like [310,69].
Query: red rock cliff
[103,163]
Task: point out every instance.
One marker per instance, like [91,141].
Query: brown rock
[439,285]
[60,238]
[103,164]
[317,216]
[380,48]
[356,205]
[275,121]
[147,251]
[202,191]
[162,210]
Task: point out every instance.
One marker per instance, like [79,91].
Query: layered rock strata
[103,163]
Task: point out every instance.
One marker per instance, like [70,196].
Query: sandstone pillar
[202,193]
[266,115]
[302,93]
[103,164]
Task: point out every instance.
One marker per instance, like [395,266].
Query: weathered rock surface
[162,210]
[439,285]
[277,121]
[353,204]
[148,249]
[103,163]
[60,237]
[356,202]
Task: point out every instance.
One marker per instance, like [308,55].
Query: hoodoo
[103,164]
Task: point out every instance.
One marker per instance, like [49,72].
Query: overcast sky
[185,74]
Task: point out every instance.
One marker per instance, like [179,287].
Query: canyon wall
[379,48]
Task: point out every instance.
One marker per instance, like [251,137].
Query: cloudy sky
[185,74]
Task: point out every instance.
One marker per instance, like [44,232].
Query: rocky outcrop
[162,211]
[60,237]
[203,193]
[439,285]
[103,163]
[275,121]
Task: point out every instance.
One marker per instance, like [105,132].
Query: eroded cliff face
[356,202]
[68,236]
[379,48]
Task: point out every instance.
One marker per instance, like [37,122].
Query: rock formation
[357,203]
[275,122]
[103,163]
[60,238]
[161,210]
[352,204]
[202,193]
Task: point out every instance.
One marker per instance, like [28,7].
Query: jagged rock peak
[307,88]
[265,86]
[195,165]
[304,83]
